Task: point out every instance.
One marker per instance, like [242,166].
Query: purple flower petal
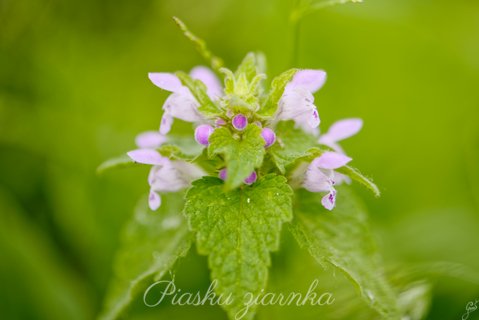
[312,80]
[318,180]
[269,137]
[208,77]
[240,122]
[342,129]
[331,160]
[150,140]
[251,178]
[166,123]
[329,200]
[222,174]
[202,134]
[154,200]
[165,81]
[314,120]
[146,156]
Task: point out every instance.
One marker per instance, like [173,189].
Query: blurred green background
[74,91]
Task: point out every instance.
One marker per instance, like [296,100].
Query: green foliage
[174,152]
[244,85]
[207,107]
[237,229]
[152,242]
[291,143]
[277,88]
[342,239]
[359,177]
[242,154]
[247,68]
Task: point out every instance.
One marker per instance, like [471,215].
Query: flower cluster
[239,105]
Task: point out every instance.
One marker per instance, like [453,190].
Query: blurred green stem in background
[200,45]
[302,8]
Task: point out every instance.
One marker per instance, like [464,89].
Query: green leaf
[277,88]
[247,68]
[341,238]
[174,153]
[242,154]
[152,242]
[215,62]
[123,161]
[357,176]
[291,143]
[238,229]
[207,107]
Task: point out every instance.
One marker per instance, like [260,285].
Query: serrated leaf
[152,242]
[277,88]
[237,230]
[359,177]
[341,238]
[207,107]
[242,154]
[123,161]
[291,143]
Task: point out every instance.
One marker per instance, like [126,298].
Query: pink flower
[297,101]
[203,133]
[269,137]
[239,122]
[171,176]
[340,130]
[321,177]
[181,104]
[165,175]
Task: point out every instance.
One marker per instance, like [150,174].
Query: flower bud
[222,174]
[240,122]
[202,134]
[269,137]
[251,178]
[220,122]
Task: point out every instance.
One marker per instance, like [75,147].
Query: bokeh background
[74,91]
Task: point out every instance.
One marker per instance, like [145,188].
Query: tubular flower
[165,175]
[297,101]
[321,177]
[181,104]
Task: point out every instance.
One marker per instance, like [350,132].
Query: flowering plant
[261,162]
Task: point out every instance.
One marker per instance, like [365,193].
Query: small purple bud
[269,137]
[240,122]
[222,174]
[202,134]
[251,179]
[220,122]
